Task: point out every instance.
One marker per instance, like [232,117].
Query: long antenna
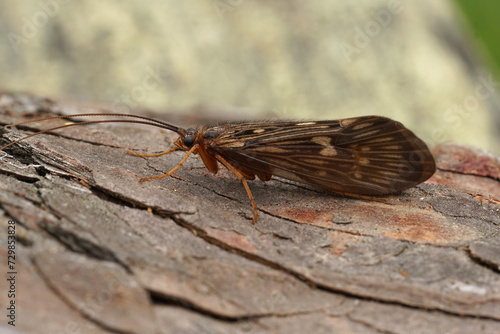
[147,121]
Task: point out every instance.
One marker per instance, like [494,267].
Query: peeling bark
[101,252]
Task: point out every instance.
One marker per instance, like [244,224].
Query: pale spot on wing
[290,142]
[363,161]
[236,143]
[395,164]
[388,173]
[322,173]
[325,141]
[286,174]
[357,175]
[270,149]
[328,151]
[365,149]
[390,156]
[362,126]
[347,122]
[380,140]
[306,123]
[391,147]
[259,130]
[365,134]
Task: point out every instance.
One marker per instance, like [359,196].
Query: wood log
[98,251]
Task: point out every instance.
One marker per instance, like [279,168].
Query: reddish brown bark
[180,255]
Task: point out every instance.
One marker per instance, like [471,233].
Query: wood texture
[100,252]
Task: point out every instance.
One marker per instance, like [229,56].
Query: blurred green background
[415,61]
[483,20]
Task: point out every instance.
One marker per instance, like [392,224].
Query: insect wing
[369,155]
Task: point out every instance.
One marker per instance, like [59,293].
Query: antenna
[145,120]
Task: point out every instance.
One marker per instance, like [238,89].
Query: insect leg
[245,184]
[193,149]
[152,155]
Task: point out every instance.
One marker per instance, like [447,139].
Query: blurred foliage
[485,25]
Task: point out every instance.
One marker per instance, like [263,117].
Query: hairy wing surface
[369,155]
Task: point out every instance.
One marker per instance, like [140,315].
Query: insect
[357,157]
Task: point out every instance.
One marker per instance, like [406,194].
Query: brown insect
[358,157]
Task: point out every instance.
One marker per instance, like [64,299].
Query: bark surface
[98,251]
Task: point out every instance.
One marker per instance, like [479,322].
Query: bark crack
[468,173]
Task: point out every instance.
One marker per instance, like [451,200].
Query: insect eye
[188,141]
[210,135]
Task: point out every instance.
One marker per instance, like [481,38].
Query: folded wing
[369,155]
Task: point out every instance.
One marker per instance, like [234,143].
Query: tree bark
[98,251]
